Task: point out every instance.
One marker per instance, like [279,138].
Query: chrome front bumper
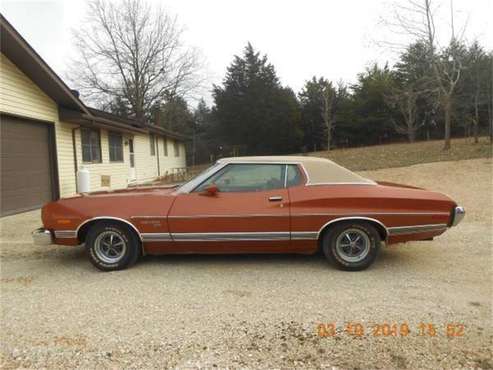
[459,213]
[42,237]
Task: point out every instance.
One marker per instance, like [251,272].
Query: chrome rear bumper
[42,237]
[459,213]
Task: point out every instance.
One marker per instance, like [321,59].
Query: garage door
[26,173]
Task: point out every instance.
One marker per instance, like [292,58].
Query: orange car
[251,205]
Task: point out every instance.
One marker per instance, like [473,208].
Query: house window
[177,148]
[165,146]
[91,145]
[115,147]
[153,144]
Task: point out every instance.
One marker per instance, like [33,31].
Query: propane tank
[83,180]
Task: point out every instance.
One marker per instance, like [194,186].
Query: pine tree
[254,113]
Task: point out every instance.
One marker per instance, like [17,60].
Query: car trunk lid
[395,185]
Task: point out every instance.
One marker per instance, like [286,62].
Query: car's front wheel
[351,246]
[112,246]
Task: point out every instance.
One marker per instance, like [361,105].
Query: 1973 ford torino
[251,205]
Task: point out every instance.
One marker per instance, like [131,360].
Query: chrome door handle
[275,199]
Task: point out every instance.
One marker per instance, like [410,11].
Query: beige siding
[145,163]
[65,154]
[170,163]
[117,171]
[21,97]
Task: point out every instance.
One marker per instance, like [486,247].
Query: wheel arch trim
[354,218]
[110,218]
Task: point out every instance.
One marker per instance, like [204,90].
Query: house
[48,134]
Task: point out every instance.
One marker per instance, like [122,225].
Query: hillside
[406,154]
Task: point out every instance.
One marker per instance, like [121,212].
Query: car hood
[121,204]
[134,191]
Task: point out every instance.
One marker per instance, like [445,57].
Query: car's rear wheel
[112,246]
[351,246]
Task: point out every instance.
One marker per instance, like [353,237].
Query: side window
[91,145]
[115,147]
[294,176]
[247,178]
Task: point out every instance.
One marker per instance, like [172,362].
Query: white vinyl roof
[318,170]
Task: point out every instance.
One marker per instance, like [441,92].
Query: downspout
[74,147]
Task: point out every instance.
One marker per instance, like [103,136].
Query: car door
[248,213]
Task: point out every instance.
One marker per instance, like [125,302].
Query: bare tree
[416,18]
[447,70]
[327,98]
[405,100]
[489,95]
[446,67]
[475,120]
[130,52]
[412,91]
[476,78]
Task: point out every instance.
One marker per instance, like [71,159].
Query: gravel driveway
[260,311]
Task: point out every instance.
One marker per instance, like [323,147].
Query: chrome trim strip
[232,216]
[231,236]
[286,176]
[312,214]
[156,237]
[353,218]
[403,230]
[459,213]
[109,218]
[148,217]
[65,234]
[278,235]
[304,235]
[373,213]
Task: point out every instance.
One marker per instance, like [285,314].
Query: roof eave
[162,131]
[18,50]
[71,108]
[70,116]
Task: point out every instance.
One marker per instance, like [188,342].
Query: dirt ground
[261,311]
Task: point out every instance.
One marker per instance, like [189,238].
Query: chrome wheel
[353,245]
[110,247]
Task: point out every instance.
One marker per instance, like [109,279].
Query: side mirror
[211,190]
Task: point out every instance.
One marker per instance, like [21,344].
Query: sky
[334,39]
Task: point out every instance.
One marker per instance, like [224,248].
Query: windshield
[195,181]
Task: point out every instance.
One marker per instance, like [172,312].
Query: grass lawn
[406,154]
